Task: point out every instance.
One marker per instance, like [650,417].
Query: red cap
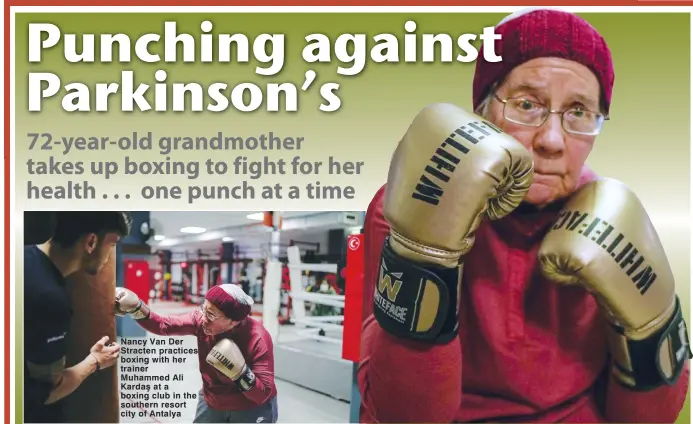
[532,34]
[231,300]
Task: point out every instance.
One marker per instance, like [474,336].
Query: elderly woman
[511,284]
[235,352]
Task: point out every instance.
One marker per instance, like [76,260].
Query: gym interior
[297,266]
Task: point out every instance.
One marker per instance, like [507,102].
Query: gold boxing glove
[449,170]
[605,241]
[228,359]
[128,303]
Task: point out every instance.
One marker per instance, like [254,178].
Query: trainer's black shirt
[47,315]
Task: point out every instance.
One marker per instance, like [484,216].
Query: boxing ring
[314,343]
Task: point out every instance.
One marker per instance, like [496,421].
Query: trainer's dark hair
[71,226]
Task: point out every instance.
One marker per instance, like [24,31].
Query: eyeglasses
[532,114]
[207,314]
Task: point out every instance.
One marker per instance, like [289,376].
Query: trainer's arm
[69,379]
[401,381]
[45,344]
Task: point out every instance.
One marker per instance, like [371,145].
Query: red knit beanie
[231,300]
[530,34]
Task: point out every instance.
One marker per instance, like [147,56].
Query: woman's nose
[550,139]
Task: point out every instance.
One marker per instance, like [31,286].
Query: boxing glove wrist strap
[652,362]
[140,312]
[416,301]
[247,380]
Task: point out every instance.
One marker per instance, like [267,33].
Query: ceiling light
[256,216]
[159,237]
[193,230]
[227,239]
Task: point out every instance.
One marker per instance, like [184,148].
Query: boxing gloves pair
[451,170]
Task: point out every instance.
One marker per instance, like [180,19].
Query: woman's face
[559,156]
[214,321]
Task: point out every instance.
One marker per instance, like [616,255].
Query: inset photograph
[155,317]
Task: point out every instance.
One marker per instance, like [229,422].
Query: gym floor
[296,404]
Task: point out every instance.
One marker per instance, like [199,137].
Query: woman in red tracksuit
[528,350]
[225,314]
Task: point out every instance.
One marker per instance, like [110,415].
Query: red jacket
[528,351]
[219,391]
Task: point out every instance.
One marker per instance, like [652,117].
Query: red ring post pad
[416,301]
[353,298]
